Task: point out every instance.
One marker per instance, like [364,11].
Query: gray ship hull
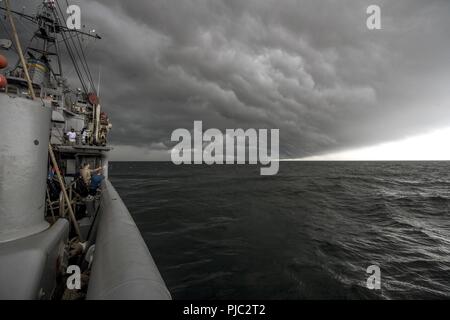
[122,266]
[33,253]
[62,234]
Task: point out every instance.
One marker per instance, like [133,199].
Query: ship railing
[18,86]
[59,208]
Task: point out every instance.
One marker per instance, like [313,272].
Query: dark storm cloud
[309,68]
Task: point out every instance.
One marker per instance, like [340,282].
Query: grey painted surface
[24,132]
[28,266]
[123,267]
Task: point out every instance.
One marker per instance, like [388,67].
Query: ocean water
[310,232]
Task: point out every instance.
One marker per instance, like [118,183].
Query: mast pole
[19,50]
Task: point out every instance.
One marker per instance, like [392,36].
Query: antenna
[99,77]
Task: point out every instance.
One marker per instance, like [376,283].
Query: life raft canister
[3,81]
[3,62]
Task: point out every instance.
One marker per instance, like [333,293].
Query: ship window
[71,166]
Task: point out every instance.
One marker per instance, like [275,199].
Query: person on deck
[86,173]
[72,136]
[96,181]
[84,134]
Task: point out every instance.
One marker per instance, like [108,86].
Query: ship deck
[83,149]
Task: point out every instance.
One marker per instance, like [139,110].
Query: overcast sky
[309,68]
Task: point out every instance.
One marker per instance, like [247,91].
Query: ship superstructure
[54,140]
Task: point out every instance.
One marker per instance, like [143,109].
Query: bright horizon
[425,147]
[432,146]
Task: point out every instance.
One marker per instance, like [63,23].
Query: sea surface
[310,232]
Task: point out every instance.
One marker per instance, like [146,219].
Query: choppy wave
[224,232]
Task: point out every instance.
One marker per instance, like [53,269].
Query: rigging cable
[81,56]
[84,57]
[70,52]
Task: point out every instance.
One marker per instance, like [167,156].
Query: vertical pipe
[97,109]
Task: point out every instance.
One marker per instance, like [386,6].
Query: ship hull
[122,266]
